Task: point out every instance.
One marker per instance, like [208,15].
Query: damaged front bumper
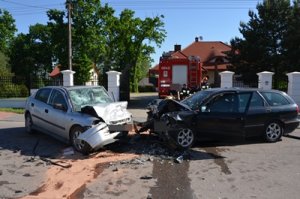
[103,134]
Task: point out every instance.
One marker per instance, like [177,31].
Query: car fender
[98,136]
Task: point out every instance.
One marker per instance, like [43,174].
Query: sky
[213,20]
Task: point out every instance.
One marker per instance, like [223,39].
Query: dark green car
[221,112]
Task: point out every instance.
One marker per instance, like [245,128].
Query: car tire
[28,123]
[80,145]
[273,131]
[184,138]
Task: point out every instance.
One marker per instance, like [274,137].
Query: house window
[165,74]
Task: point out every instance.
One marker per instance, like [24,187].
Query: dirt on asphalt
[54,174]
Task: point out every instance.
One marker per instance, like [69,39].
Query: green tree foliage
[263,47]
[58,35]
[133,36]
[21,60]
[4,70]
[142,67]
[82,67]
[292,40]
[31,54]
[88,37]
[100,39]
[115,43]
[7,30]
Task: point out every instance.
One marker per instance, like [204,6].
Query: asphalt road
[36,166]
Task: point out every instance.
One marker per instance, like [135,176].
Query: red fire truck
[174,72]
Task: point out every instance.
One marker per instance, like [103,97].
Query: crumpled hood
[111,113]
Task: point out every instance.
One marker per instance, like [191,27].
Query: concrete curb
[12,103]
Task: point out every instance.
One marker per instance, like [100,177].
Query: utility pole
[69,7]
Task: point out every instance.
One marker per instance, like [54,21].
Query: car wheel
[185,138]
[80,145]
[273,132]
[28,123]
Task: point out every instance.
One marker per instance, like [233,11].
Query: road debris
[68,151]
[57,163]
[146,177]
[179,159]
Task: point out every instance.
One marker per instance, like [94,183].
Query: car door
[57,113]
[37,107]
[221,115]
[256,115]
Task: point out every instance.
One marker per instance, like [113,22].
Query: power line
[26,5]
[19,9]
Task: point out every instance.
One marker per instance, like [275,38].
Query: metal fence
[241,84]
[19,86]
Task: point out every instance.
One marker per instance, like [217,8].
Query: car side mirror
[60,107]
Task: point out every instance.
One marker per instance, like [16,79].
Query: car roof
[71,87]
[238,89]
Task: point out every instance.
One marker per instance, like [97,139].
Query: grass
[12,110]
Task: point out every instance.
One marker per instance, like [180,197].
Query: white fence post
[294,86]
[68,77]
[113,84]
[226,79]
[265,80]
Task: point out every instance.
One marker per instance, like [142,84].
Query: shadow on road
[36,144]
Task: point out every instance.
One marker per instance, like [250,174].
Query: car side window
[58,98]
[275,99]
[243,101]
[256,101]
[43,95]
[224,103]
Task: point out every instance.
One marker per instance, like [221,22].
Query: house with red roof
[212,56]
[56,75]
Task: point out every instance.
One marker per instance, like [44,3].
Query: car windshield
[84,96]
[196,100]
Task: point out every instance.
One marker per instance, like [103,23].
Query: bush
[13,90]
[24,92]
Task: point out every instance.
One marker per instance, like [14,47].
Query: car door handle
[46,111]
[268,110]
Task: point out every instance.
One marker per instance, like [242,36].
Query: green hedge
[13,90]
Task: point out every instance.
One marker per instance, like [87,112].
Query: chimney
[177,47]
[196,39]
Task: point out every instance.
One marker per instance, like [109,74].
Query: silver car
[84,116]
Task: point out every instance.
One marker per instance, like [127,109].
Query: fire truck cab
[174,72]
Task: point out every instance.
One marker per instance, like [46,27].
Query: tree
[114,42]
[262,46]
[133,36]
[7,30]
[100,39]
[291,41]
[58,31]
[89,36]
[4,70]
[142,67]
[31,53]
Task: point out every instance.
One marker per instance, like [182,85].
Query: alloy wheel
[185,137]
[273,132]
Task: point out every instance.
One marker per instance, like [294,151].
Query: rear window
[275,99]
